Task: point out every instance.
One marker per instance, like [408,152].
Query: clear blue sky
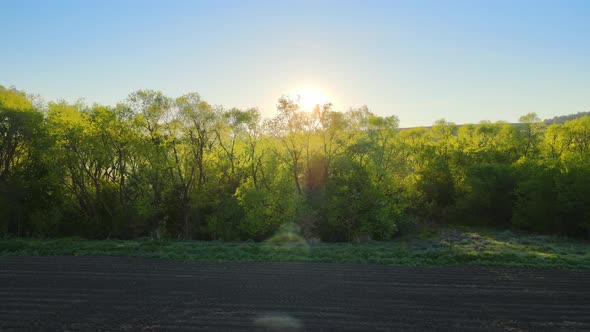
[420,60]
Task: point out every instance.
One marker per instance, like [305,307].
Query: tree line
[182,168]
[564,118]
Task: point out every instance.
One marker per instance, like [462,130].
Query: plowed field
[131,294]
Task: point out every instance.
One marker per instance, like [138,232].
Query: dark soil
[130,294]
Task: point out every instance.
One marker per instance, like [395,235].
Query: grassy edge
[445,247]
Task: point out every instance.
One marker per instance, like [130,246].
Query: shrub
[265,211]
[489,195]
[536,198]
[354,207]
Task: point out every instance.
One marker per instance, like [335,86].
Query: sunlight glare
[309,97]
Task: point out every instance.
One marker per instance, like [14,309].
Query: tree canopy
[183,168]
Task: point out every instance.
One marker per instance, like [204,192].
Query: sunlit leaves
[181,167]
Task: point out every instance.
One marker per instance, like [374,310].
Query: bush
[265,211]
[354,207]
[573,202]
[552,201]
[223,223]
[436,188]
[489,195]
[536,198]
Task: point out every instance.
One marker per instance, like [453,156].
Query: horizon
[420,61]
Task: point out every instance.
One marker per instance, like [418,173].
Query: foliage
[488,196]
[181,168]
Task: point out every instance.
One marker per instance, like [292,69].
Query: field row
[86,293]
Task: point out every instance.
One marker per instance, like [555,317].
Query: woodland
[181,168]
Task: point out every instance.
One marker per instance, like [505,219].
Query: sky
[464,61]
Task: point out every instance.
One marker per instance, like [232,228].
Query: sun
[309,97]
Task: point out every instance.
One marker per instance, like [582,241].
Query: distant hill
[564,118]
[556,119]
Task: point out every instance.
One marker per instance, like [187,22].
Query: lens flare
[278,322]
